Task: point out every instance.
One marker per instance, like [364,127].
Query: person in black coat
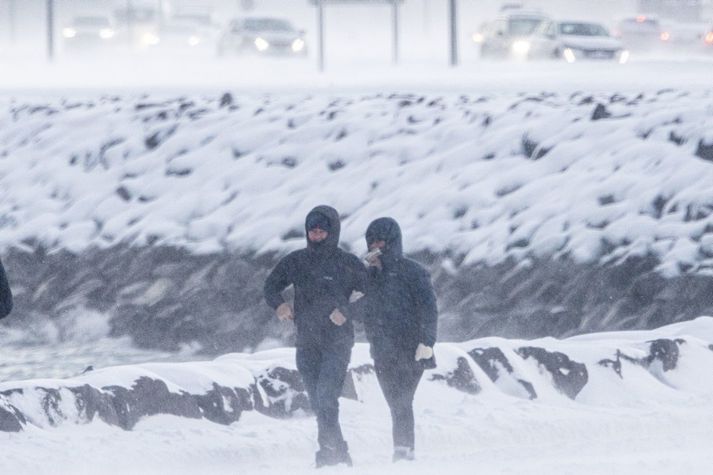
[401,325]
[327,280]
[5,294]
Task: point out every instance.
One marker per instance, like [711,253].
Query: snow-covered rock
[591,369]
[539,214]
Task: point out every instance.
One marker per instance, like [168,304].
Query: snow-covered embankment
[538,214]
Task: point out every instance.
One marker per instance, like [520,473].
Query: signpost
[50,30]
[453,31]
[320,4]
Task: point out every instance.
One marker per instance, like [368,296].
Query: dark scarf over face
[387,230]
[330,216]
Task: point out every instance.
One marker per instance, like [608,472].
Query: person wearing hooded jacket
[5,294]
[400,319]
[327,280]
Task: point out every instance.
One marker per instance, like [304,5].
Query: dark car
[262,36]
[508,36]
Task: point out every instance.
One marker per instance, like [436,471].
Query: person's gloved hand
[284,312]
[423,352]
[337,317]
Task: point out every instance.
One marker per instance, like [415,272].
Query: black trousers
[398,383]
[323,369]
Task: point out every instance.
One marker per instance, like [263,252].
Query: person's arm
[355,307]
[426,307]
[5,294]
[281,277]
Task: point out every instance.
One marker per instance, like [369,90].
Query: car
[574,40]
[88,32]
[508,35]
[262,36]
[641,33]
[138,26]
[683,35]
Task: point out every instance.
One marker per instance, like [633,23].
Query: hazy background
[358,38]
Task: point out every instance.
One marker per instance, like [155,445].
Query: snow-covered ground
[646,421]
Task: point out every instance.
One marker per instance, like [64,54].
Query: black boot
[403,453]
[333,456]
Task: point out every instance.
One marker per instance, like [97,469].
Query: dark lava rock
[665,351]
[569,376]
[461,378]
[705,151]
[11,420]
[284,392]
[600,112]
[487,358]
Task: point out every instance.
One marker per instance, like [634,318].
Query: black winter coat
[400,310]
[324,278]
[5,294]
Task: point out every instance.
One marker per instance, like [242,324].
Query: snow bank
[596,178]
[668,365]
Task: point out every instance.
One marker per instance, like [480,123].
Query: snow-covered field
[648,420]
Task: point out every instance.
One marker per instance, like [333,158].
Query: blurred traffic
[359,31]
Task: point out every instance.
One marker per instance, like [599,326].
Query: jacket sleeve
[5,294]
[358,283]
[426,307]
[281,277]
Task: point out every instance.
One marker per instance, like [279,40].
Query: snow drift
[665,365]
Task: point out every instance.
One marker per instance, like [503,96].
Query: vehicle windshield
[582,29]
[638,24]
[205,20]
[91,21]
[267,24]
[523,26]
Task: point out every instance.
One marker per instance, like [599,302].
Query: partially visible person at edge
[400,319]
[5,294]
[327,280]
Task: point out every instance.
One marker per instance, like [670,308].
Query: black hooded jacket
[324,277]
[400,310]
[5,294]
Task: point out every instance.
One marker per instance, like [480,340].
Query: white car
[264,36]
[576,41]
[88,32]
[508,35]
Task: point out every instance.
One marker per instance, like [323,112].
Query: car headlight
[478,38]
[521,47]
[194,40]
[569,55]
[298,45]
[150,39]
[261,44]
[623,56]
[69,32]
[106,33]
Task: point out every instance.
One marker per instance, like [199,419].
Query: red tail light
[709,38]
[665,36]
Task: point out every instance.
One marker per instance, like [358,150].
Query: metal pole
[130,24]
[395,30]
[50,30]
[12,18]
[453,14]
[320,33]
